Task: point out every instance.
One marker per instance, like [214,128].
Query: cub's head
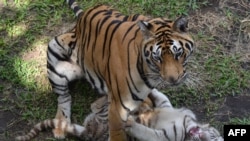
[203,132]
[166,47]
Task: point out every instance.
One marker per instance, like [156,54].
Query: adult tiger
[122,56]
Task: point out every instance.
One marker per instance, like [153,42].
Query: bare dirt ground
[234,37]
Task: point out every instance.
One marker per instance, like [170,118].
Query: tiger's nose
[176,79]
[173,80]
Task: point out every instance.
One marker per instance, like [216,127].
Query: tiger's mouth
[195,132]
[165,83]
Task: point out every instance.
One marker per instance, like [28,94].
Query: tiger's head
[166,47]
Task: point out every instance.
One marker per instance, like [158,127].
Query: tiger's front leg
[116,129]
[62,69]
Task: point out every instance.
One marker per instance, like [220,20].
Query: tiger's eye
[147,53]
[151,48]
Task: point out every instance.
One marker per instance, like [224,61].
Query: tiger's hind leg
[62,68]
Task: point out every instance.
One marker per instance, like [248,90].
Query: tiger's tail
[66,127]
[75,7]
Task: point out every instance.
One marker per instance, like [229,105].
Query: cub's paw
[129,125]
[130,122]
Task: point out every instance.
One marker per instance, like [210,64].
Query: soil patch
[238,106]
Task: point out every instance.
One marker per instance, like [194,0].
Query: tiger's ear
[145,29]
[180,24]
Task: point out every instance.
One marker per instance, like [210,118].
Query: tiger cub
[165,123]
[154,120]
[94,127]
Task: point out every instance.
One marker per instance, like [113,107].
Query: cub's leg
[74,129]
[159,99]
[144,133]
[62,68]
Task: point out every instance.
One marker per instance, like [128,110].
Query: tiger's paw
[59,133]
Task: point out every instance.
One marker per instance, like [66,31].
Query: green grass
[225,69]
[28,25]
[242,121]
